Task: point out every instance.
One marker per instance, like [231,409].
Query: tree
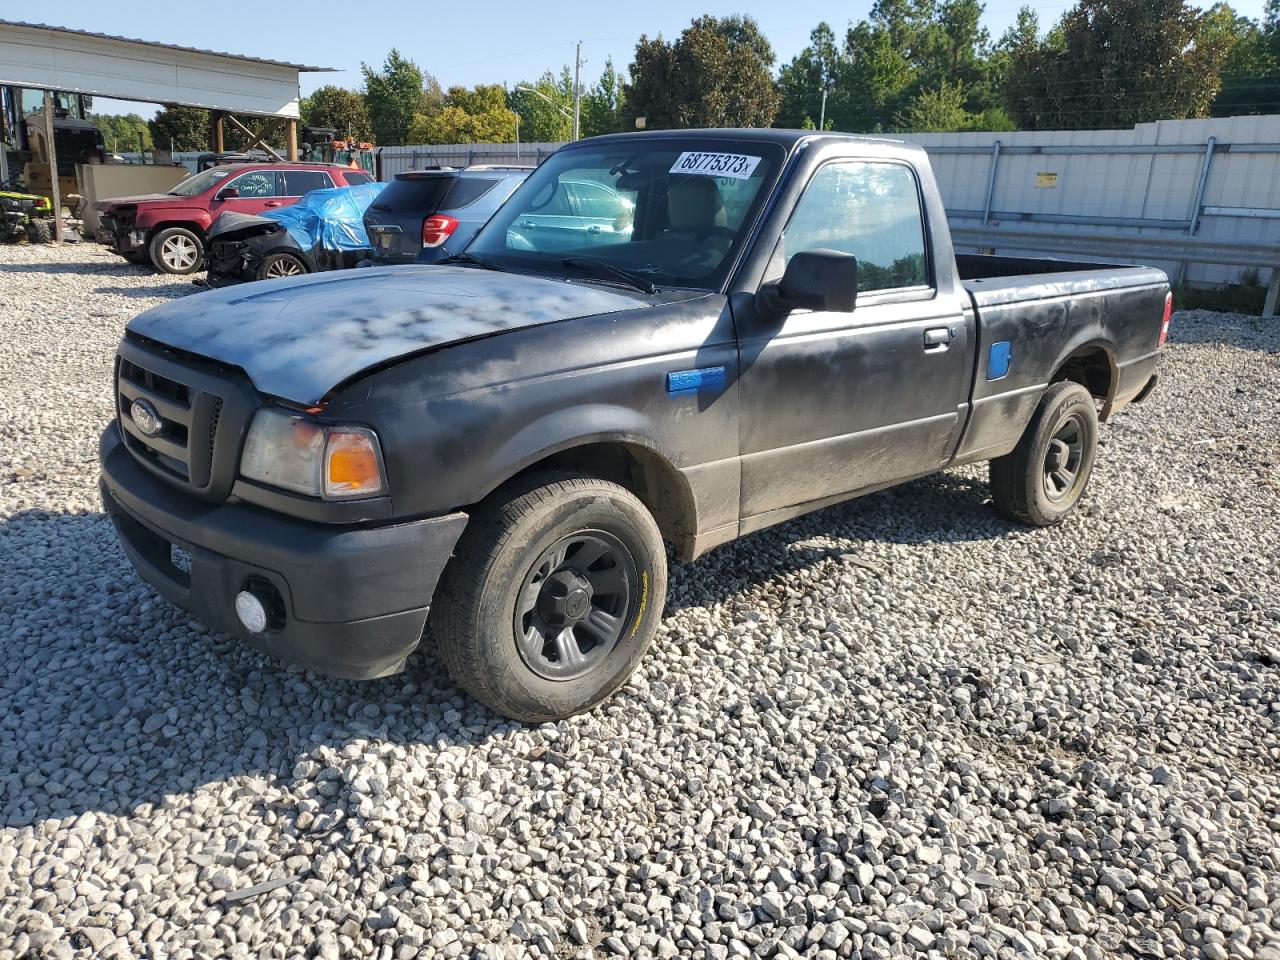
[896,61]
[342,110]
[716,74]
[602,104]
[180,128]
[938,110]
[540,121]
[395,94]
[467,115]
[123,133]
[1114,63]
[1251,75]
[802,81]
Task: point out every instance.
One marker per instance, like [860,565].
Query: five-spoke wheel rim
[284,267]
[179,252]
[575,604]
[1064,458]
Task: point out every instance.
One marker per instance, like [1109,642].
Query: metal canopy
[41,57]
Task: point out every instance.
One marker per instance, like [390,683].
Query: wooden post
[1273,293]
[217,132]
[53,166]
[291,140]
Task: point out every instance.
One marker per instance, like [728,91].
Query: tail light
[1164,322]
[437,229]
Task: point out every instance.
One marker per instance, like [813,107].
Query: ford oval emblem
[146,417]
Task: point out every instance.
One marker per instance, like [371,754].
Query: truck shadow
[113,700]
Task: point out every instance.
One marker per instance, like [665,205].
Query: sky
[493,41]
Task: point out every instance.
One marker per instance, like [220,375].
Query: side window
[355,177]
[257,183]
[871,210]
[556,205]
[298,182]
[599,202]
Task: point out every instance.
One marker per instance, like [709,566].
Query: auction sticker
[734,165]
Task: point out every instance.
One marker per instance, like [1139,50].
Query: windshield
[668,211]
[200,182]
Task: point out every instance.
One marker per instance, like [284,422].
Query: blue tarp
[332,219]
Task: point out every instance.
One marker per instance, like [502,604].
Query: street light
[539,93]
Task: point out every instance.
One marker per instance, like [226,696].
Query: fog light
[251,611]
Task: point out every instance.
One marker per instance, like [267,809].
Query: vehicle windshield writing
[668,211]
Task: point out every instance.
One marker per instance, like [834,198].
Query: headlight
[292,452]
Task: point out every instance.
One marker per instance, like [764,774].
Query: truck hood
[299,337]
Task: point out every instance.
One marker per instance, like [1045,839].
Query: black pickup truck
[501,449]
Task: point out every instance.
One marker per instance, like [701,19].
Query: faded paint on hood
[297,338]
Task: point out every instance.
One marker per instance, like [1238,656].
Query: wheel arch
[634,464]
[1093,366]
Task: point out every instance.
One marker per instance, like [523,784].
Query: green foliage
[123,133]
[716,74]
[1251,75]
[894,65]
[540,121]
[182,128]
[937,110]
[1114,63]
[395,94]
[1247,295]
[342,110]
[467,115]
[602,104]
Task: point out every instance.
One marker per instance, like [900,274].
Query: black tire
[39,231]
[1046,474]
[176,250]
[281,265]
[486,633]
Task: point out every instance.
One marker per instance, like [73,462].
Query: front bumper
[353,600]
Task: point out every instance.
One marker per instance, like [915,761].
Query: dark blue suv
[427,215]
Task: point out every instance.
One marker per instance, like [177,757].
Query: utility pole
[577,88]
[822,116]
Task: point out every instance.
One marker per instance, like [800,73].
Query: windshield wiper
[630,278]
[472,259]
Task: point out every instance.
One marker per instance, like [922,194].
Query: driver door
[834,403]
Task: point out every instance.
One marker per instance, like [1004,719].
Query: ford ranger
[504,449]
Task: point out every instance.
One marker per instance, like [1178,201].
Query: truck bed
[1029,309]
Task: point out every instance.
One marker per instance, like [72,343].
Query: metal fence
[392,160]
[1198,198]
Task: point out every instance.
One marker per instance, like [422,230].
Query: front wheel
[176,250]
[280,265]
[1044,477]
[552,597]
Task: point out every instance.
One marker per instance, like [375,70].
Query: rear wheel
[1045,476]
[176,250]
[39,231]
[280,265]
[552,597]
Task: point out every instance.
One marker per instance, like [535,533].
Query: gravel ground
[900,726]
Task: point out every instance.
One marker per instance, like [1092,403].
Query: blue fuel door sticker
[999,360]
[685,381]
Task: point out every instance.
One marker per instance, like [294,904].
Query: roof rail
[498,166]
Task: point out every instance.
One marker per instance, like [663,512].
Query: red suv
[169,229]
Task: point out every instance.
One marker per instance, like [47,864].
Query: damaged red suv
[168,230]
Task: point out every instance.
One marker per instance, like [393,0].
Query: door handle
[529,224]
[936,339]
[272,203]
[595,228]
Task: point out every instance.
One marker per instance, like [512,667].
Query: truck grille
[191,405]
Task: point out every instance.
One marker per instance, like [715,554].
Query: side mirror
[227,193]
[813,280]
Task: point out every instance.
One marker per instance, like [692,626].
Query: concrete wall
[104,181]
